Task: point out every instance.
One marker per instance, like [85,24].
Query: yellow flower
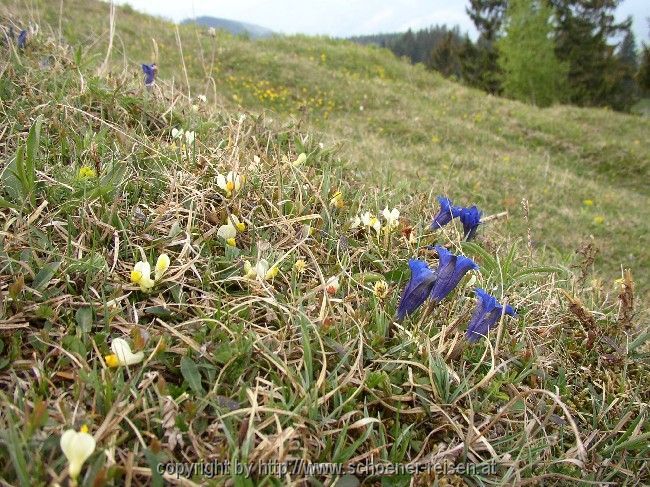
[122,354]
[380,289]
[337,200]
[300,266]
[233,181]
[599,220]
[392,218]
[162,264]
[141,275]
[77,448]
[588,202]
[86,172]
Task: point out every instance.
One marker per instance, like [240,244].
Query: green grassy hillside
[288,366]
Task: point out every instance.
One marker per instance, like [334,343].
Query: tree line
[537,51]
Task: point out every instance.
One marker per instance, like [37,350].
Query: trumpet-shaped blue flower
[446,213]
[22,39]
[451,269]
[149,71]
[418,288]
[471,219]
[488,312]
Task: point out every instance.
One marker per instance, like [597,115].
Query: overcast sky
[346,17]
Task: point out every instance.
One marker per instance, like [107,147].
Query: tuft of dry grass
[285,369]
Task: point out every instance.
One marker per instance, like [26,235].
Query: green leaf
[192,375]
[45,275]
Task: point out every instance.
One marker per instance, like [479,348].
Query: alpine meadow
[298,260]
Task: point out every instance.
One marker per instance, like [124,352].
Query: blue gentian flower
[149,71]
[446,213]
[418,288]
[22,39]
[451,269]
[488,312]
[471,218]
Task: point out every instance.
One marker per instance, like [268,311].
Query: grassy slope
[314,365]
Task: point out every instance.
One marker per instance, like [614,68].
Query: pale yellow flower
[233,181]
[228,232]
[302,158]
[162,264]
[122,354]
[300,266]
[261,271]
[141,275]
[77,446]
[371,221]
[337,200]
[380,289]
[391,217]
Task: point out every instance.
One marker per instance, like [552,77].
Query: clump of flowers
[228,232]
[77,446]
[122,354]
[141,273]
[231,182]
[368,220]
[429,284]
[188,135]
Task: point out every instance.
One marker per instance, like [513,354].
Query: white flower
[355,222]
[189,137]
[77,447]
[202,98]
[141,275]
[371,221]
[212,31]
[162,264]
[391,217]
[122,354]
[231,182]
[176,133]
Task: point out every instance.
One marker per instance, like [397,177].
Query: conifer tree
[531,71]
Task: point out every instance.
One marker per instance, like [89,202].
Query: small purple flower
[471,219]
[488,312]
[149,71]
[446,213]
[418,288]
[451,269]
[22,39]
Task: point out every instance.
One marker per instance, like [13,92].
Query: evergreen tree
[584,28]
[487,15]
[531,71]
[626,91]
[445,56]
[643,75]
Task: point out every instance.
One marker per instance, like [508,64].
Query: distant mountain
[233,26]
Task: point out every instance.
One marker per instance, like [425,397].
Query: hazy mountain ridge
[235,27]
